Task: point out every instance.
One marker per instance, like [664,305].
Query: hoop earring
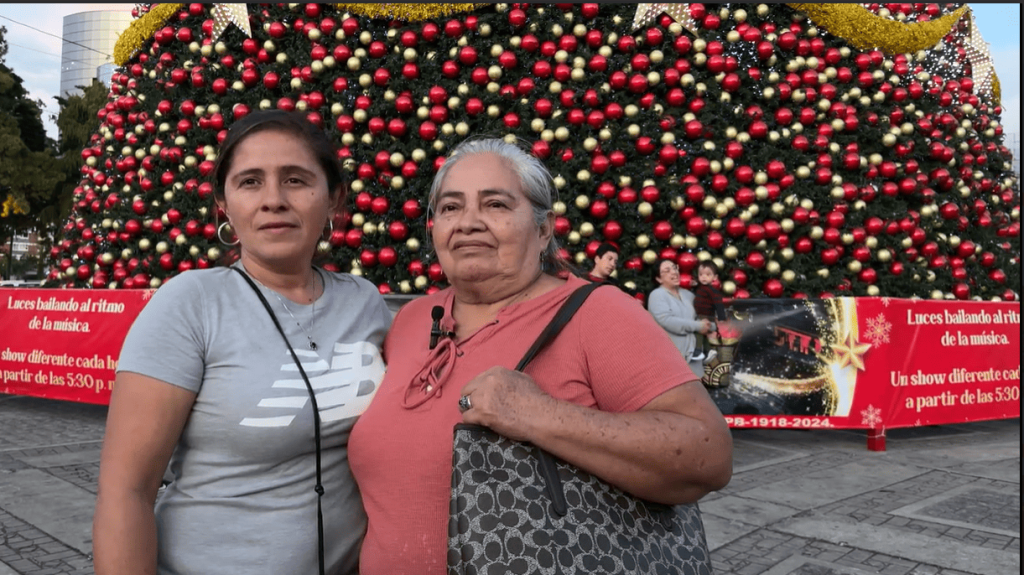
[220,230]
[330,230]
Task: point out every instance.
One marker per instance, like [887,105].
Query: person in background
[606,259]
[708,303]
[672,308]
[206,382]
[619,403]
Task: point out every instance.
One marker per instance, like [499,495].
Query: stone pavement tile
[85,475]
[921,548]
[783,470]
[970,507]
[32,422]
[59,509]
[803,491]
[720,531]
[80,453]
[749,511]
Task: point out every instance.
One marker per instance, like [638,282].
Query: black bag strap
[316,420]
[546,461]
[561,318]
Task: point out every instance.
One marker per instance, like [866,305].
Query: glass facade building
[89,39]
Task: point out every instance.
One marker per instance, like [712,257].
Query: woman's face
[484,228]
[668,275]
[276,198]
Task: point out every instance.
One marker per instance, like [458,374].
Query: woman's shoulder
[342,281]
[422,304]
[187,282]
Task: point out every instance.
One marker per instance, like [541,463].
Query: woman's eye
[497,205]
[446,208]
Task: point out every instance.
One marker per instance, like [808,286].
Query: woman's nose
[271,197]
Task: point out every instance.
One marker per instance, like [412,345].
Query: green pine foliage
[804,167]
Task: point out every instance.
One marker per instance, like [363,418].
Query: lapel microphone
[436,313]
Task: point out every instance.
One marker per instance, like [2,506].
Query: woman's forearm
[658,455]
[124,535]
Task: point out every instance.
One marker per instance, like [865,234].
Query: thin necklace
[309,336]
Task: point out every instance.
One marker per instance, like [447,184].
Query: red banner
[939,362]
[860,363]
[867,363]
[64,344]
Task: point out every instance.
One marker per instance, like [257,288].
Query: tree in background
[28,174]
[807,149]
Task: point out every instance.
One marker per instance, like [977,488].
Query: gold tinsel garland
[865,30]
[142,29]
[408,12]
[130,41]
[852,22]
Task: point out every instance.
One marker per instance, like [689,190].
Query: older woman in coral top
[611,394]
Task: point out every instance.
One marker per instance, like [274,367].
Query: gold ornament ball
[823,272]
[731,252]
[789,276]
[412,244]
[586,229]
[642,241]
[582,202]
[728,287]
[649,257]
[645,209]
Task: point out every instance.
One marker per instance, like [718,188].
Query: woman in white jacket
[672,308]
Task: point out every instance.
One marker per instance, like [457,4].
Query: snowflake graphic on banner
[886,301]
[871,417]
[877,330]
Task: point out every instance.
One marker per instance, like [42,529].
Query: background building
[105,72]
[89,39]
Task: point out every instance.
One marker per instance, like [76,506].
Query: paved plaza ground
[942,500]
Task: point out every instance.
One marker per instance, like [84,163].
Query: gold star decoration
[850,352]
[224,14]
[646,14]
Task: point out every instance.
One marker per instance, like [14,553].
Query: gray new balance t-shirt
[243,499]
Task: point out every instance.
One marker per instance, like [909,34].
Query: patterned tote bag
[516,509]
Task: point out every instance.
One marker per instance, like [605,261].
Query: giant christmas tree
[808,149]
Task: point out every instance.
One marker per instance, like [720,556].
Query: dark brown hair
[293,123]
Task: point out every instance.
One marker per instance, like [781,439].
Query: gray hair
[534,179]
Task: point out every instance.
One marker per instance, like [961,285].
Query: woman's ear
[221,204]
[337,205]
[547,229]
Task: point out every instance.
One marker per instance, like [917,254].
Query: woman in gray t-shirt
[206,384]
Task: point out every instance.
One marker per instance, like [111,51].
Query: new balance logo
[343,389]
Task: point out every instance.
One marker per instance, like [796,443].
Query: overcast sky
[34,30]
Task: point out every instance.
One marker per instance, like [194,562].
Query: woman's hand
[705,326]
[507,401]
